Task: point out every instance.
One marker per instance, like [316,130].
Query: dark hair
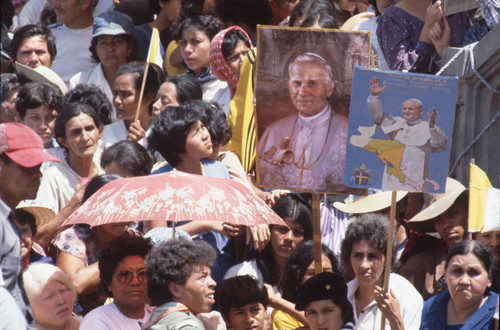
[290,206]
[295,268]
[231,40]
[10,84]
[188,88]
[314,11]
[136,70]
[70,110]
[32,30]
[477,249]
[170,128]
[341,15]
[172,262]
[24,217]
[239,291]
[96,183]
[207,24]
[128,155]
[130,40]
[217,124]
[369,227]
[93,96]
[244,12]
[36,94]
[155,7]
[120,248]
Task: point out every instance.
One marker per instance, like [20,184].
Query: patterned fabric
[75,241]
[218,63]
[333,226]
[205,75]
[491,11]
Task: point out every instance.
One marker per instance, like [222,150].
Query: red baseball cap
[22,145]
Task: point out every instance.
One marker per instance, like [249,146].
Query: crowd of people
[80,108]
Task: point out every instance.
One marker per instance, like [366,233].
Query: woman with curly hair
[363,253]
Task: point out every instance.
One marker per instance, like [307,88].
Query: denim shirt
[10,257]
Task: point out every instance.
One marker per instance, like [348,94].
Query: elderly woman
[363,253]
[51,295]
[77,129]
[323,297]
[468,303]
[123,275]
[227,52]
[112,45]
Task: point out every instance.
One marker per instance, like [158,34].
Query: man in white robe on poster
[306,150]
[419,138]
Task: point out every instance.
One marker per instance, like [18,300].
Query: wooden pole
[137,112]
[318,267]
[390,242]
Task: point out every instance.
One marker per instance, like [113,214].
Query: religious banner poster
[400,128]
[302,92]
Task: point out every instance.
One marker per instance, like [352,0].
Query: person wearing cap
[445,214]
[21,154]
[113,44]
[73,33]
[323,298]
[380,203]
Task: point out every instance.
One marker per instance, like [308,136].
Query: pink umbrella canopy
[174,196]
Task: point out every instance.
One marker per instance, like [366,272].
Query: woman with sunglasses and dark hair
[123,275]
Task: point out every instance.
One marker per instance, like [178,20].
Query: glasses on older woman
[125,276]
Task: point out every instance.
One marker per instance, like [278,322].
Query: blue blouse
[434,314]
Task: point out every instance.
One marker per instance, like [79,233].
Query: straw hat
[43,74]
[436,204]
[42,214]
[370,203]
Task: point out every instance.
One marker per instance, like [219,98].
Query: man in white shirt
[73,33]
[306,150]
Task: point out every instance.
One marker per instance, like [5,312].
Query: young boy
[243,303]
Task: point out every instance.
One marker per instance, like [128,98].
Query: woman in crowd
[51,295]
[403,34]
[123,275]
[78,252]
[126,98]
[467,303]
[181,137]
[491,239]
[363,253]
[445,214]
[112,45]
[77,130]
[323,298]
[227,52]
[37,105]
[10,87]
[177,90]
[194,35]
[267,266]
[298,269]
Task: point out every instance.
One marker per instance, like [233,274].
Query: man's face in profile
[309,87]
[412,110]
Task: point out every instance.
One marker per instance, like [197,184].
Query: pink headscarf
[218,63]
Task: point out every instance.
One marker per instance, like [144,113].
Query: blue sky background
[434,91]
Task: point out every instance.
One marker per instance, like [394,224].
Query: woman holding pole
[363,253]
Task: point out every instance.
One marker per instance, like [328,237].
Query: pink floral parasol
[174,196]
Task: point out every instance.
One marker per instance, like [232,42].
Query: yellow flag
[241,114]
[479,185]
[154,54]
